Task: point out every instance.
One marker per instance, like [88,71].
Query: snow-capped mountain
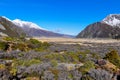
[32,29]
[109,27]
[17,27]
[26,24]
[113,20]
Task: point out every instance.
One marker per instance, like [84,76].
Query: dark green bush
[37,45]
[3,45]
[33,43]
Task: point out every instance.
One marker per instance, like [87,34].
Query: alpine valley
[29,52]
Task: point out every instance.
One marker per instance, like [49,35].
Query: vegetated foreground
[59,59]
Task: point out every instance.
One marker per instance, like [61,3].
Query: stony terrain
[59,59]
[100,46]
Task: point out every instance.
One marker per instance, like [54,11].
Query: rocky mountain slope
[109,27]
[7,28]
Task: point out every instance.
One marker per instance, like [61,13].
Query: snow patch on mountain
[112,20]
[26,24]
[2,27]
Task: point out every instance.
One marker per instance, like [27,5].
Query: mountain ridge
[31,29]
[21,23]
[109,27]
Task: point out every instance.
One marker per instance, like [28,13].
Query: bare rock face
[107,28]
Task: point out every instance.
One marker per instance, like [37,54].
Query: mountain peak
[112,20]
[22,24]
[17,28]
[26,24]
[109,27]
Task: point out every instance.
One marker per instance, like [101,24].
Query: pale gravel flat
[76,41]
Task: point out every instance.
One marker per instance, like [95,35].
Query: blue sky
[63,16]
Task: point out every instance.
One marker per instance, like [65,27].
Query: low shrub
[54,63]
[113,57]
[13,71]
[9,39]
[37,45]
[2,66]
[3,45]
[27,62]
[88,65]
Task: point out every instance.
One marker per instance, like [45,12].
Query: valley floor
[100,46]
[76,40]
[60,59]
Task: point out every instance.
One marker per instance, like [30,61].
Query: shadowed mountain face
[7,28]
[41,33]
[108,28]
